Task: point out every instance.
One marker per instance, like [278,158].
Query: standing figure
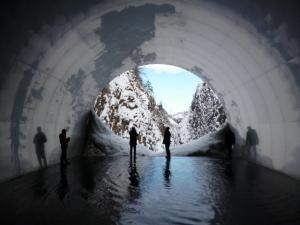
[64,140]
[167,141]
[229,140]
[39,140]
[133,138]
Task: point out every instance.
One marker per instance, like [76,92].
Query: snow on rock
[183,129]
[201,145]
[206,113]
[107,143]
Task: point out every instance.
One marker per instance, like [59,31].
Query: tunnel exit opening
[155,96]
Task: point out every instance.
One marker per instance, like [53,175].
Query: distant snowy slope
[196,147]
[183,129]
[110,144]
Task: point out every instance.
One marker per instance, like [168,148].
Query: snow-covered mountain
[127,102]
[206,113]
[183,128]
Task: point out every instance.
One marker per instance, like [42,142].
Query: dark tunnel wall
[57,55]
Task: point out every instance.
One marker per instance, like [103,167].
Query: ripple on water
[184,190]
[193,190]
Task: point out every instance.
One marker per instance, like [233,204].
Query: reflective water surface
[154,190]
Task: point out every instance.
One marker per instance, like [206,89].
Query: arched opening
[153,97]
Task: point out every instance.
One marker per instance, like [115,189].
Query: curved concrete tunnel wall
[250,60]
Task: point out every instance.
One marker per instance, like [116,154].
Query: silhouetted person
[64,140]
[132,142]
[167,141]
[251,140]
[229,140]
[39,140]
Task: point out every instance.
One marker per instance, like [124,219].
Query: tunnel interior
[56,55]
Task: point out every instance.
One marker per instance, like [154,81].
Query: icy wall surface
[55,57]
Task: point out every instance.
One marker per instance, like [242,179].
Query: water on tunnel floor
[154,190]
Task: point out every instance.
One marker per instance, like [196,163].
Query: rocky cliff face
[127,102]
[206,113]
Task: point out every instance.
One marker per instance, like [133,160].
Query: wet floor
[184,190]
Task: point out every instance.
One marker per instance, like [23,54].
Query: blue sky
[173,86]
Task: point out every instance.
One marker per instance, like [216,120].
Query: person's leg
[63,155]
[67,162]
[38,155]
[229,150]
[249,151]
[43,158]
[168,150]
[45,161]
[134,149]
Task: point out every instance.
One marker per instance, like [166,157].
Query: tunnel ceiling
[56,56]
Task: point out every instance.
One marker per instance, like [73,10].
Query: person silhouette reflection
[133,187]
[39,186]
[63,186]
[167,141]
[132,142]
[133,175]
[39,140]
[167,172]
[251,141]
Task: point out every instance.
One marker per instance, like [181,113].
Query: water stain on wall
[75,82]
[17,117]
[140,59]
[35,93]
[123,32]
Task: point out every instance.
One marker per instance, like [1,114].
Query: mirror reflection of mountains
[128,101]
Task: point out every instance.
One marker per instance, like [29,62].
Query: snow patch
[109,144]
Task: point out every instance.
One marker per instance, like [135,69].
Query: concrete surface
[56,56]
